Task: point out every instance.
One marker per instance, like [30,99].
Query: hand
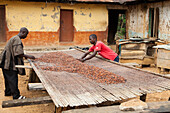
[31,57]
[81,60]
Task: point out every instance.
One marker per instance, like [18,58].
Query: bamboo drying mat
[72,89]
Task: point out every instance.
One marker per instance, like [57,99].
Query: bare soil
[23,80]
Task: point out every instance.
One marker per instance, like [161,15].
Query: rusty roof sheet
[116,1]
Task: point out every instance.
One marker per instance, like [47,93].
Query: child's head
[92,38]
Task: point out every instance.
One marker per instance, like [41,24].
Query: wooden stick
[23,66]
[27,101]
[35,86]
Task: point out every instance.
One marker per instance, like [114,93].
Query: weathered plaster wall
[139,20]
[43,21]
[164,26]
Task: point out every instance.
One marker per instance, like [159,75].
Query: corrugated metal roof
[116,1]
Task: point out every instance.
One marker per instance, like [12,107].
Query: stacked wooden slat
[138,52]
[163,57]
[133,50]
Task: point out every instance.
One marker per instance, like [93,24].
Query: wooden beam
[35,86]
[154,107]
[131,64]
[132,53]
[27,101]
[109,6]
[23,66]
[167,76]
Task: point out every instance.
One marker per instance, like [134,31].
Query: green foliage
[121,28]
[118,28]
[124,20]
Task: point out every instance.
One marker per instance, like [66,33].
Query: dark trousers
[116,59]
[11,83]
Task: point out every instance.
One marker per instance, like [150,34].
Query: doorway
[2,24]
[153,22]
[66,26]
[116,25]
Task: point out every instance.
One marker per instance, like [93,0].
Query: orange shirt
[104,51]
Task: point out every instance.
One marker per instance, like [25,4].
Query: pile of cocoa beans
[64,62]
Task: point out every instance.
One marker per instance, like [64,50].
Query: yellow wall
[91,17]
[39,16]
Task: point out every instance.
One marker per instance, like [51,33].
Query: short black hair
[24,29]
[93,36]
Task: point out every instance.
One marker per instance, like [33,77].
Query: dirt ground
[23,80]
[49,108]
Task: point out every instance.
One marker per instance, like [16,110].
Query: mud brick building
[70,22]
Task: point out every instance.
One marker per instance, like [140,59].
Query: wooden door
[66,26]
[2,24]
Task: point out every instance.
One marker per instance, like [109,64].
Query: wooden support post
[33,77]
[55,109]
[159,69]
[143,97]
[27,101]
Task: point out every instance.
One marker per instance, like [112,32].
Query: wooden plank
[61,95]
[50,90]
[164,85]
[23,66]
[101,94]
[124,61]
[136,91]
[35,86]
[133,53]
[155,89]
[144,61]
[75,95]
[127,92]
[167,75]
[27,101]
[141,57]
[153,107]
[114,91]
[163,54]
[90,87]
[131,64]
[163,63]
[133,46]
